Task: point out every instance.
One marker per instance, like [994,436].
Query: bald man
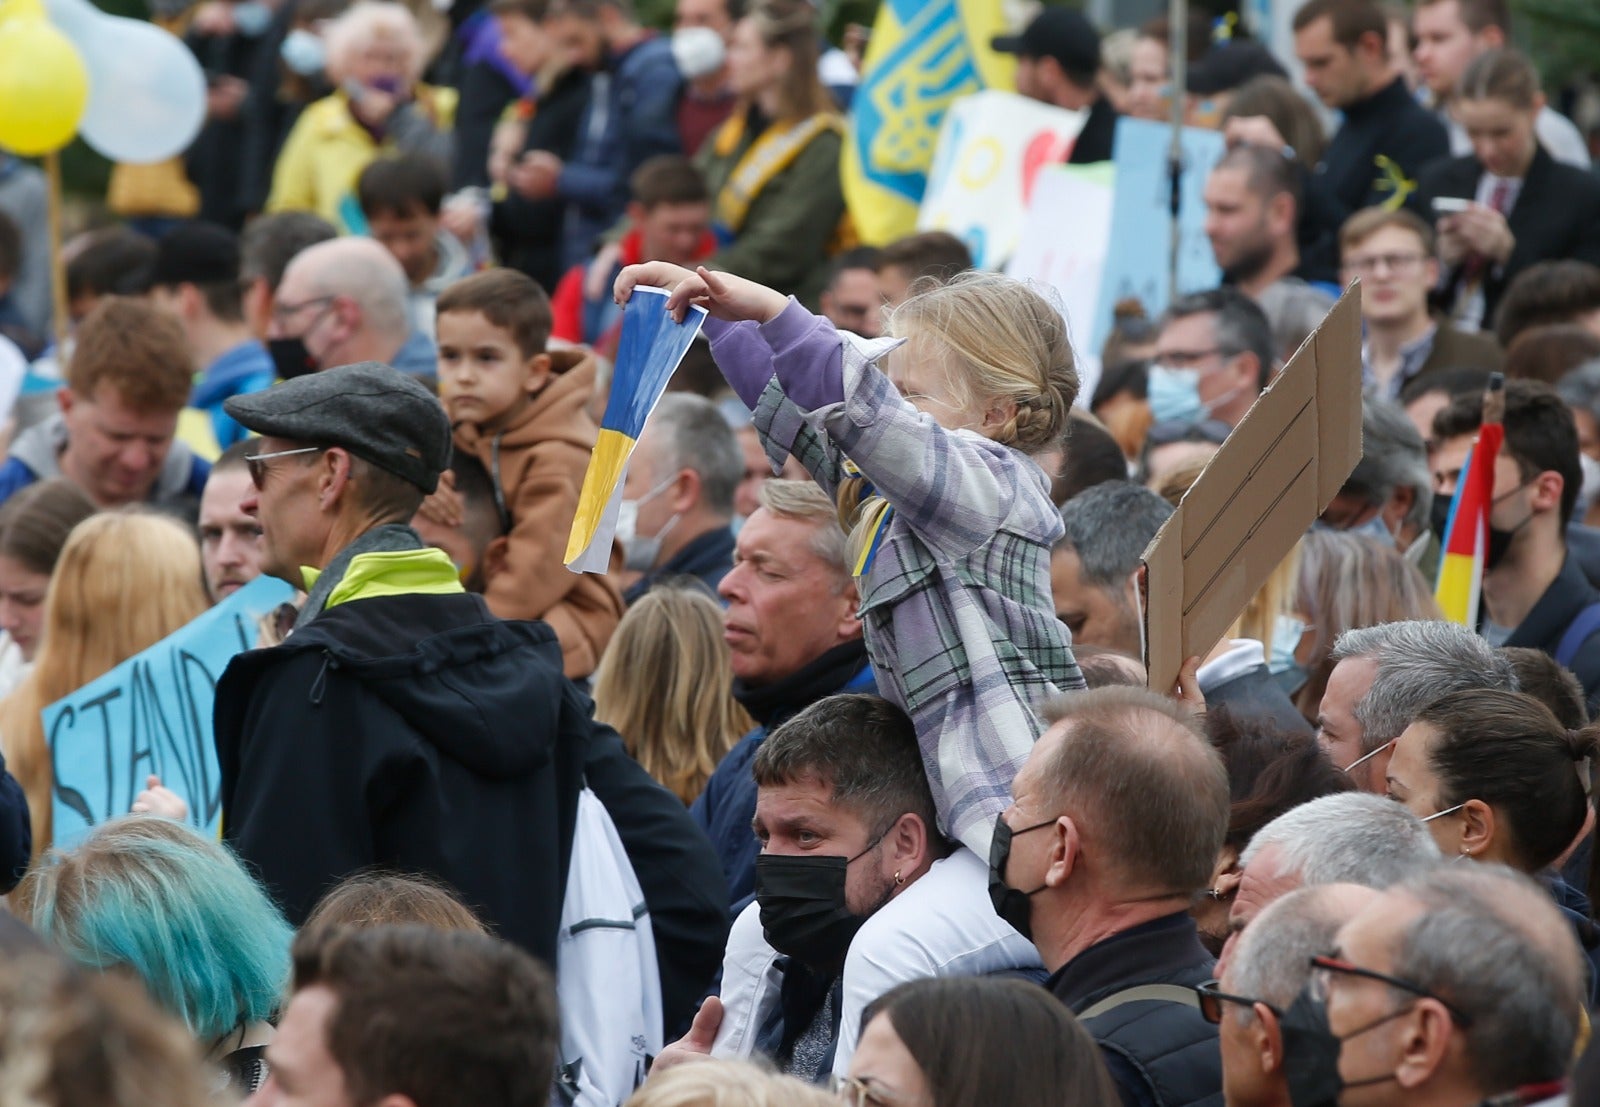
[341,302]
[1269,967]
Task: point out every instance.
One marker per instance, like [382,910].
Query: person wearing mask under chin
[1534,594]
[1214,355]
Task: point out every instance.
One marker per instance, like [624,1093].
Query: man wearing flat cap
[401,725]
[1058,62]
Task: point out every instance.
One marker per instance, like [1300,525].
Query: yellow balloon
[44,87]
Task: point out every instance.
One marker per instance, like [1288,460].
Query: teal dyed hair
[177,909]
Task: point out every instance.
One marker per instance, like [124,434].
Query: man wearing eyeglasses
[341,302]
[1451,988]
[1269,966]
[1391,253]
[1213,357]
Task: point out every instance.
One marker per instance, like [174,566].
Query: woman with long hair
[125,581]
[773,168]
[34,525]
[955,1041]
[664,685]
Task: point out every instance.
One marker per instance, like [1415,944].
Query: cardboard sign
[1065,238]
[1270,480]
[1141,219]
[991,150]
[152,714]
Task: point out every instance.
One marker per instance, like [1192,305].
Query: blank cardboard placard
[1274,475]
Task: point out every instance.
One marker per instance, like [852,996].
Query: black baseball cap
[1058,33]
[376,412]
[1227,66]
[195,253]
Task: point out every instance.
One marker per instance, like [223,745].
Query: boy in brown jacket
[522,411]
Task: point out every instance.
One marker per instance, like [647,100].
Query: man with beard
[1252,209]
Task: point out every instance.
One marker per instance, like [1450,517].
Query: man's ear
[908,843]
[1425,1036]
[1065,848]
[1281,214]
[1267,1038]
[1394,512]
[494,557]
[1547,489]
[333,480]
[685,490]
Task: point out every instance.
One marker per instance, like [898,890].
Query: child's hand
[443,506]
[722,294]
[156,800]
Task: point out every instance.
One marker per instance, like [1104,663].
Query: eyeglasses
[857,1091]
[1322,968]
[1212,997]
[1394,263]
[1187,359]
[282,311]
[257,463]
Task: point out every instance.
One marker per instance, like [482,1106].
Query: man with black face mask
[344,301]
[1115,823]
[1533,594]
[1455,988]
[847,826]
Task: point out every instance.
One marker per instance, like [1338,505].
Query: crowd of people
[844,782]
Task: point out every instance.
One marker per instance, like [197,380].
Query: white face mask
[1589,491]
[698,51]
[641,551]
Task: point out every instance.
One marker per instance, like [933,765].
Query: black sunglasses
[1323,967]
[1212,998]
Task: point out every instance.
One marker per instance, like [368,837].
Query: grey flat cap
[377,413]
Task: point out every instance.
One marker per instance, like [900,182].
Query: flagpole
[1178,42]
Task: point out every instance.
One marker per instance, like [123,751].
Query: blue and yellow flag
[652,345]
[922,56]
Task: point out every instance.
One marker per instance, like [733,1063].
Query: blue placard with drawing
[1141,219]
[152,715]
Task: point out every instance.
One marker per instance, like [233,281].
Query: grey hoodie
[36,456]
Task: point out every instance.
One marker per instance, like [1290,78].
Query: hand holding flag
[653,344]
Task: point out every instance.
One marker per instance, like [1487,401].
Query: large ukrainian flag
[922,56]
[652,345]
[1466,535]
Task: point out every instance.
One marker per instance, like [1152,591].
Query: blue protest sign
[1141,218]
[152,714]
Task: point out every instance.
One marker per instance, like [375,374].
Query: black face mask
[291,358]
[1499,540]
[1013,905]
[803,909]
[1311,1053]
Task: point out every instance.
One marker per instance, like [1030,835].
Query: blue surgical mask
[1174,395]
[303,52]
[1286,634]
[252,18]
[1376,529]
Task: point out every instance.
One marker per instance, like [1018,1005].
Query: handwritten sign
[1141,219]
[152,714]
[1065,239]
[991,148]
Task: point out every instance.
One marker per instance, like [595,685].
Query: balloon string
[58,267]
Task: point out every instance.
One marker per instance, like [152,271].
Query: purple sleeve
[808,355]
[744,359]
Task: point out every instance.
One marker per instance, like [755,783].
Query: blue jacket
[728,805]
[245,368]
[632,116]
[708,559]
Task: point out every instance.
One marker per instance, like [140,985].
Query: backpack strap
[1161,993]
[1577,633]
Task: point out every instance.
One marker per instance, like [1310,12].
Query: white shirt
[941,925]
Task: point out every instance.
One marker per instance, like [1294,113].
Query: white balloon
[147,94]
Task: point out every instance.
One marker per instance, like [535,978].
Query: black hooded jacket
[420,733]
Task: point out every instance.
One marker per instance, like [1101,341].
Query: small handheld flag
[652,346]
[1466,535]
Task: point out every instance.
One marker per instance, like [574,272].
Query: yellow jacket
[327,150]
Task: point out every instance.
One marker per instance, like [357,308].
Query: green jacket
[791,223]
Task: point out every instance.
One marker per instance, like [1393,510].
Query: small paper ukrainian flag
[651,347]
